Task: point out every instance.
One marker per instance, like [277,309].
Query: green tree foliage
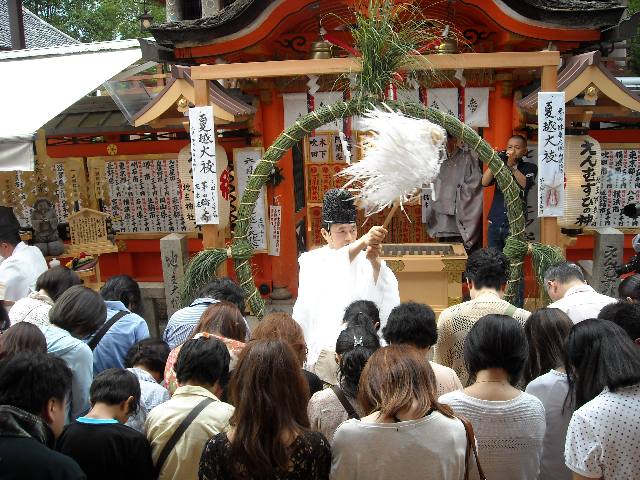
[95,20]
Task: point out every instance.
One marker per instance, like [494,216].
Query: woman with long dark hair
[546,330]
[282,326]
[360,312]
[269,436]
[509,424]
[407,434]
[603,367]
[330,407]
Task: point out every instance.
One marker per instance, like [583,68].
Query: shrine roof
[228,20]
[573,13]
[241,17]
[581,71]
[90,115]
[37,32]
[227,104]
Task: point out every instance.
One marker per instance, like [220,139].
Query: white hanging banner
[295,106]
[582,171]
[551,121]
[203,163]
[443,99]
[245,161]
[275,221]
[408,95]
[324,99]
[476,106]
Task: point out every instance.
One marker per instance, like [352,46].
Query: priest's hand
[374,236]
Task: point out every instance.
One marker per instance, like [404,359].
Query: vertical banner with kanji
[551,122]
[245,161]
[275,220]
[203,160]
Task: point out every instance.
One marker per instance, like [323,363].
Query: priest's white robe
[329,282]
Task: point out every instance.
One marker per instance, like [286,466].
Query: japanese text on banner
[203,159]
[275,220]
[551,121]
[246,160]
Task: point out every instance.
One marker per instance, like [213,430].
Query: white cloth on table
[603,439]
[329,282]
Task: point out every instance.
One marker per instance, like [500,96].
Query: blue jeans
[496,238]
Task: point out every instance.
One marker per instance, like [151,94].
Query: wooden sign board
[141,193]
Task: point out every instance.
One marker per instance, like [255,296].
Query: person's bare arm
[487,177]
[519,176]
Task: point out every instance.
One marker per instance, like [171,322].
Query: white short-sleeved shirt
[603,439]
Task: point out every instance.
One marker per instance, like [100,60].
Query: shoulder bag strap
[471,447]
[171,443]
[345,402]
[102,331]
[510,311]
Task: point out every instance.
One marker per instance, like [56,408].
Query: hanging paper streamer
[443,99]
[203,160]
[476,107]
[551,122]
[295,106]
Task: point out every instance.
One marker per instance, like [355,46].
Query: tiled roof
[37,32]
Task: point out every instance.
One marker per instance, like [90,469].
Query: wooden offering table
[429,273]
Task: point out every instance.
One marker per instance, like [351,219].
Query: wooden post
[284,268]
[549,232]
[212,236]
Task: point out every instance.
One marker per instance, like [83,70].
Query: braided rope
[242,252]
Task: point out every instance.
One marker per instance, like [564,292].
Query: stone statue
[45,228]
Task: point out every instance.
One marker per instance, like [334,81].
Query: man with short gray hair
[570,293]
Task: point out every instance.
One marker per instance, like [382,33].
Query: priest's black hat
[9,225]
[338,207]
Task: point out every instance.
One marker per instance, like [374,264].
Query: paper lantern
[582,182]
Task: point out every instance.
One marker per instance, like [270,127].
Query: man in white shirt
[22,264]
[570,293]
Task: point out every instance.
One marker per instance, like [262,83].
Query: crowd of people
[487,390]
